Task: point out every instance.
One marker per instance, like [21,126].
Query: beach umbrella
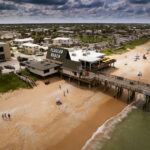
[57,99]
[137,56]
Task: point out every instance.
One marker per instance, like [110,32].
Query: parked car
[23,63]
[39,54]
[9,67]
[1,68]
[21,59]
[12,54]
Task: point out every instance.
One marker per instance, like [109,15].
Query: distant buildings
[4,52]
[9,35]
[60,41]
[47,41]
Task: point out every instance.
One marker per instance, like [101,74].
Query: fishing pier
[85,67]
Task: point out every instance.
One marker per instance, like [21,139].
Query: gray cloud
[139,1]
[41,2]
[4,6]
[76,9]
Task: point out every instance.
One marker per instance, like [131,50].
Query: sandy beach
[37,123]
[126,66]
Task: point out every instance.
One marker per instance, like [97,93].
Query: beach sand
[133,67]
[37,123]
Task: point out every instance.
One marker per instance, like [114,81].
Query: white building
[22,41]
[59,41]
[31,48]
[42,68]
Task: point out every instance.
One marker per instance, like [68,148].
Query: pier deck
[124,83]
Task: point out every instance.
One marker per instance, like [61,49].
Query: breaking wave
[103,132]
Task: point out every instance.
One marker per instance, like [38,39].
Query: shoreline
[80,135]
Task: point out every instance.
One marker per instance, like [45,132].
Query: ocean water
[133,133]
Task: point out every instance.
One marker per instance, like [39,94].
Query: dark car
[1,68]
[22,63]
[9,67]
[12,54]
[22,59]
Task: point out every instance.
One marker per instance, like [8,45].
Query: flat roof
[61,38]
[23,40]
[85,55]
[30,45]
[2,43]
[42,65]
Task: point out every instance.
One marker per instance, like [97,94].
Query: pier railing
[125,83]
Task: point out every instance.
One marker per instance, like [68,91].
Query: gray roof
[43,65]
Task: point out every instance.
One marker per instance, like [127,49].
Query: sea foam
[102,133]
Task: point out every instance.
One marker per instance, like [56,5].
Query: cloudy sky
[58,11]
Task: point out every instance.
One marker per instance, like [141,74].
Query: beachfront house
[63,41]
[30,48]
[4,52]
[42,68]
[78,62]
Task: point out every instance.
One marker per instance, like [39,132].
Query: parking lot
[14,62]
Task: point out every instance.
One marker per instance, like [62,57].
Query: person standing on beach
[59,86]
[67,91]
[5,116]
[64,93]
[9,116]
[2,116]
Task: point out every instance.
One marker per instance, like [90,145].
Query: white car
[39,54]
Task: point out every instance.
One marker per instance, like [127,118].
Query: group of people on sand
[65,92]
[6,116]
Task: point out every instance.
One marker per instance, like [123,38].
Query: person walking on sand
[9,116]
[67,91]
[64,93]
[2,116]
[59,86]
[5,116]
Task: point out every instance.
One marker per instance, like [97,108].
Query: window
[1,49]
[2,57]
[75,73]
[46,71]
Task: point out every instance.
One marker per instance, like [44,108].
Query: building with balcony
[30,48]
